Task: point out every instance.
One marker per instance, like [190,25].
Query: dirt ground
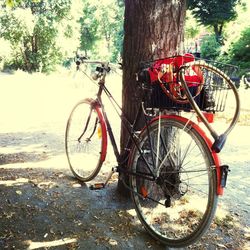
[44,207]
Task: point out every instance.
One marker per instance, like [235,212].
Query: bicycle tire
[86,140]
[187,207]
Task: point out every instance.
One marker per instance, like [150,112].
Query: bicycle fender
[104,131]
[209,143]
[98,110]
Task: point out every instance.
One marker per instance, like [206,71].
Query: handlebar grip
[219,143]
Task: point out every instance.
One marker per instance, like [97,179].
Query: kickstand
[102,185]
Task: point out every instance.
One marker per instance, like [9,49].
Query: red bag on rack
[166,70]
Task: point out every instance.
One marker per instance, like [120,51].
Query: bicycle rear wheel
[178,206]
[86,140]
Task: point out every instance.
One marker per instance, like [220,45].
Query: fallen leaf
[247,236]
[221,245]
[76,185]
[113,242]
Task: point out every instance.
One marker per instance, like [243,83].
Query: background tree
[239,52]
[210,48]
[192,28]
[192,31]
[152,29]
[46,33]
[214,13]
[102,29]
[89,27]
[32,28]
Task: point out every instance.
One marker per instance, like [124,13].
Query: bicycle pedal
[97,186]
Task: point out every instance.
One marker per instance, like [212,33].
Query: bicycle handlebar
[219,139]
[105,64]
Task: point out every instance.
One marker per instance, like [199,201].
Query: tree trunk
[218,33]
[152,29]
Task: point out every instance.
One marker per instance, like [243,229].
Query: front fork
[86,126]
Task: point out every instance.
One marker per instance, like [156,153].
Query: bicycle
[175,174]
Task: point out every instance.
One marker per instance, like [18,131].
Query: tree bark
[218,33]
[152,29]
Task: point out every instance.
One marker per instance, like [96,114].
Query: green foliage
[192,29]
[12,3]
[32,29]
[239,52]
[102,29]
[44,33]
[214,13]
[89,27]
[210,48]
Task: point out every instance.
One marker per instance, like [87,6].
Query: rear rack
[199,85]
[211,98]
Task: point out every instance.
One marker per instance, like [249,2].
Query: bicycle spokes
[85,141]
[88,138]
[185,183]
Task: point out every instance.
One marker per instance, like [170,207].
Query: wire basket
[216,88]
[210,97]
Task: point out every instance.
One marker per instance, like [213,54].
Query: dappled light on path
[16,182]
[55,243]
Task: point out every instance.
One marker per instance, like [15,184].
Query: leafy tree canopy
[240,50]
[44,33]
[214,13]
[102,28]
[32,28]
[210,48]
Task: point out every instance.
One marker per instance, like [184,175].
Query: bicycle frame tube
[102,88]
[129,127]
[99,107]
[130,139]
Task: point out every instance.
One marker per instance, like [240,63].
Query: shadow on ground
[49,209]
[29,147]
[44,209]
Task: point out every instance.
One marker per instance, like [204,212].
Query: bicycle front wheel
[86,140]
[177,206]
